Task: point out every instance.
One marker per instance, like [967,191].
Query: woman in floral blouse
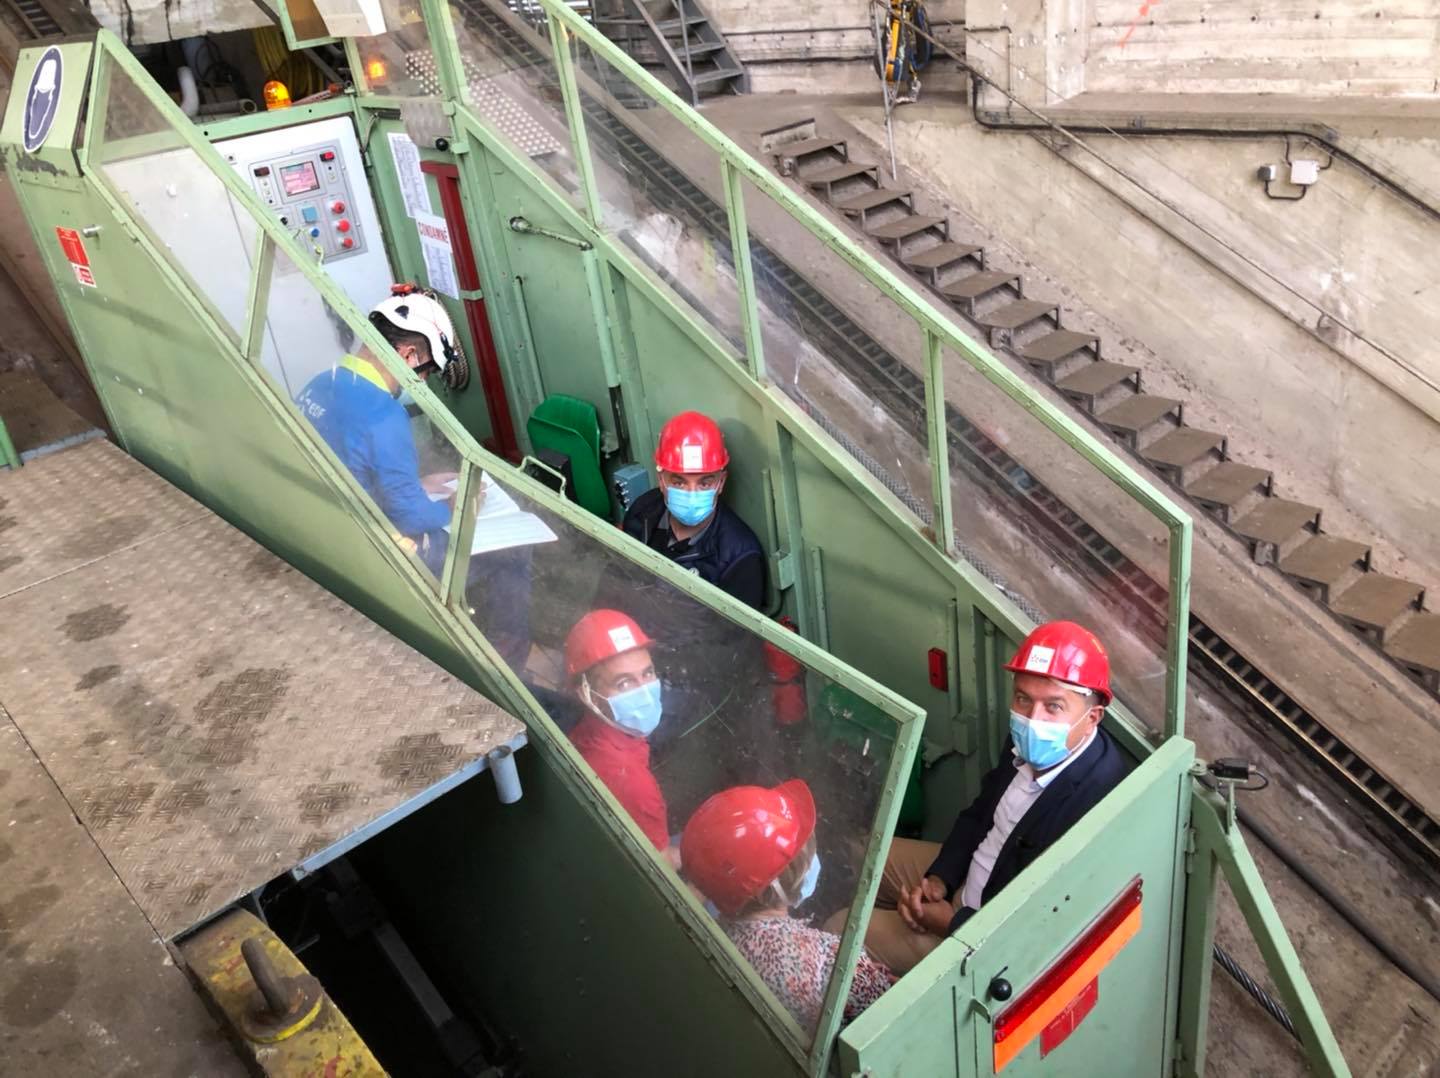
[751,852]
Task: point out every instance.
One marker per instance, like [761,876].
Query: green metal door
[1063,973]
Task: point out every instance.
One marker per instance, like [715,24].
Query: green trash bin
[571,426]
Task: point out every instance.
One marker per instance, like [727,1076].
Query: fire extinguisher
[787,682]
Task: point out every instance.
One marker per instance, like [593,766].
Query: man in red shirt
[607,659]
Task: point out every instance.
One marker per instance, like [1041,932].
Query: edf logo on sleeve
[42,100]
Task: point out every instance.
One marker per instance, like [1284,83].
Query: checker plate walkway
[212,716]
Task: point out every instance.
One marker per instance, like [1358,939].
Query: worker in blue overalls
[355,407]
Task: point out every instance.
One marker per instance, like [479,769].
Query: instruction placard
[439,255]
[74,249]
[407,171]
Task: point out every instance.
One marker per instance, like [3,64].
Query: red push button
[347,243]
[342,226]
[328,155]
[337,207]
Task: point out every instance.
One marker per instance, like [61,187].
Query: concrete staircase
[679,36]
[1337,572]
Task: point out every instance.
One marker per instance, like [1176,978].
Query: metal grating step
[905,227]
[1418,644]
[1375,601]
[1325,560]
[975,285]
[1184,446]
[1053,347]
[1138,413]
[1276,519]
[839,173]
[872,200]
[709,77]
[1095,378]
[809,146]
[1018,314]
[1228,484]
[941,255]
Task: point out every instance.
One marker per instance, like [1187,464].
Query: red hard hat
[601,635]
[742,838]
[691,444]
[1067,652]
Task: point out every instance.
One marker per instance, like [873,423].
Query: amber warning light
[375,71]
[1057,1002]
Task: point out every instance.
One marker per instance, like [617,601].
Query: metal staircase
[1337,572]
[679,36]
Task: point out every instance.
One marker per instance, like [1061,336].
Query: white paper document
[439,255]
[407,170]
[500,524]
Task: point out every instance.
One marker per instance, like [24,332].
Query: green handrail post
[1227,846]
[8,456]
[744,269]
[937,441]
[575,119]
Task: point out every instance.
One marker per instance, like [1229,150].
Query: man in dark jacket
[1056,767]
[684,519]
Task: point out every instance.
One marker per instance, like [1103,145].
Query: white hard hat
[418,310]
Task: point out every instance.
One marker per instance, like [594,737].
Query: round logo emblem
[42,99]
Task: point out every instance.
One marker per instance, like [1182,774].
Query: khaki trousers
[888,938]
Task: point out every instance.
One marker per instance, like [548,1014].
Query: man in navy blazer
[1057,765]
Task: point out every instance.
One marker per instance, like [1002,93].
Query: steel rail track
[902,393]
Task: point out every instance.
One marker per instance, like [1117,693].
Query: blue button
[314,233]
[309,214]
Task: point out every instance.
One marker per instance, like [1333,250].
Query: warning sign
[74,249]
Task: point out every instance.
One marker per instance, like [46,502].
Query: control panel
[312,177]
[309,191]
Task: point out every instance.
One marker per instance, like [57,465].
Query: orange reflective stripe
[1014,1041]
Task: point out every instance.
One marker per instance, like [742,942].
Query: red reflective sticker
[73,246]
[1065,1023]
[939,670]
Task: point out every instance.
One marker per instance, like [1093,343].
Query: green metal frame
[931,322]
[1218,845]
[1220,849]
[939,333]
[445,597]
[8,457]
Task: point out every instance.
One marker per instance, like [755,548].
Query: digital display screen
[299,179]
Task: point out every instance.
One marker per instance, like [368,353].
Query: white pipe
[189,92]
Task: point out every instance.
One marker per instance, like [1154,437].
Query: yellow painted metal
[320,1044]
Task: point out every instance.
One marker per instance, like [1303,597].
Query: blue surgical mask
[1039,743]
[690,507]
[812,877]
[637,710]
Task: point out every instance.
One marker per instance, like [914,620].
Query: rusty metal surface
[212,715]
[36,418]
[222,957]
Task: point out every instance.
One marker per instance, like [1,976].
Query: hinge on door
[1189,850]
[1177,1056]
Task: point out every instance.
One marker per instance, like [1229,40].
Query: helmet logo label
[42,99]
[622,638]
[691,458]
[1038,661]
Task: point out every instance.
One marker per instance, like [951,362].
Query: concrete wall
[1050,50]
[1199,308]
[1281,46]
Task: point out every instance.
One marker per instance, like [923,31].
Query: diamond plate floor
[212,716]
